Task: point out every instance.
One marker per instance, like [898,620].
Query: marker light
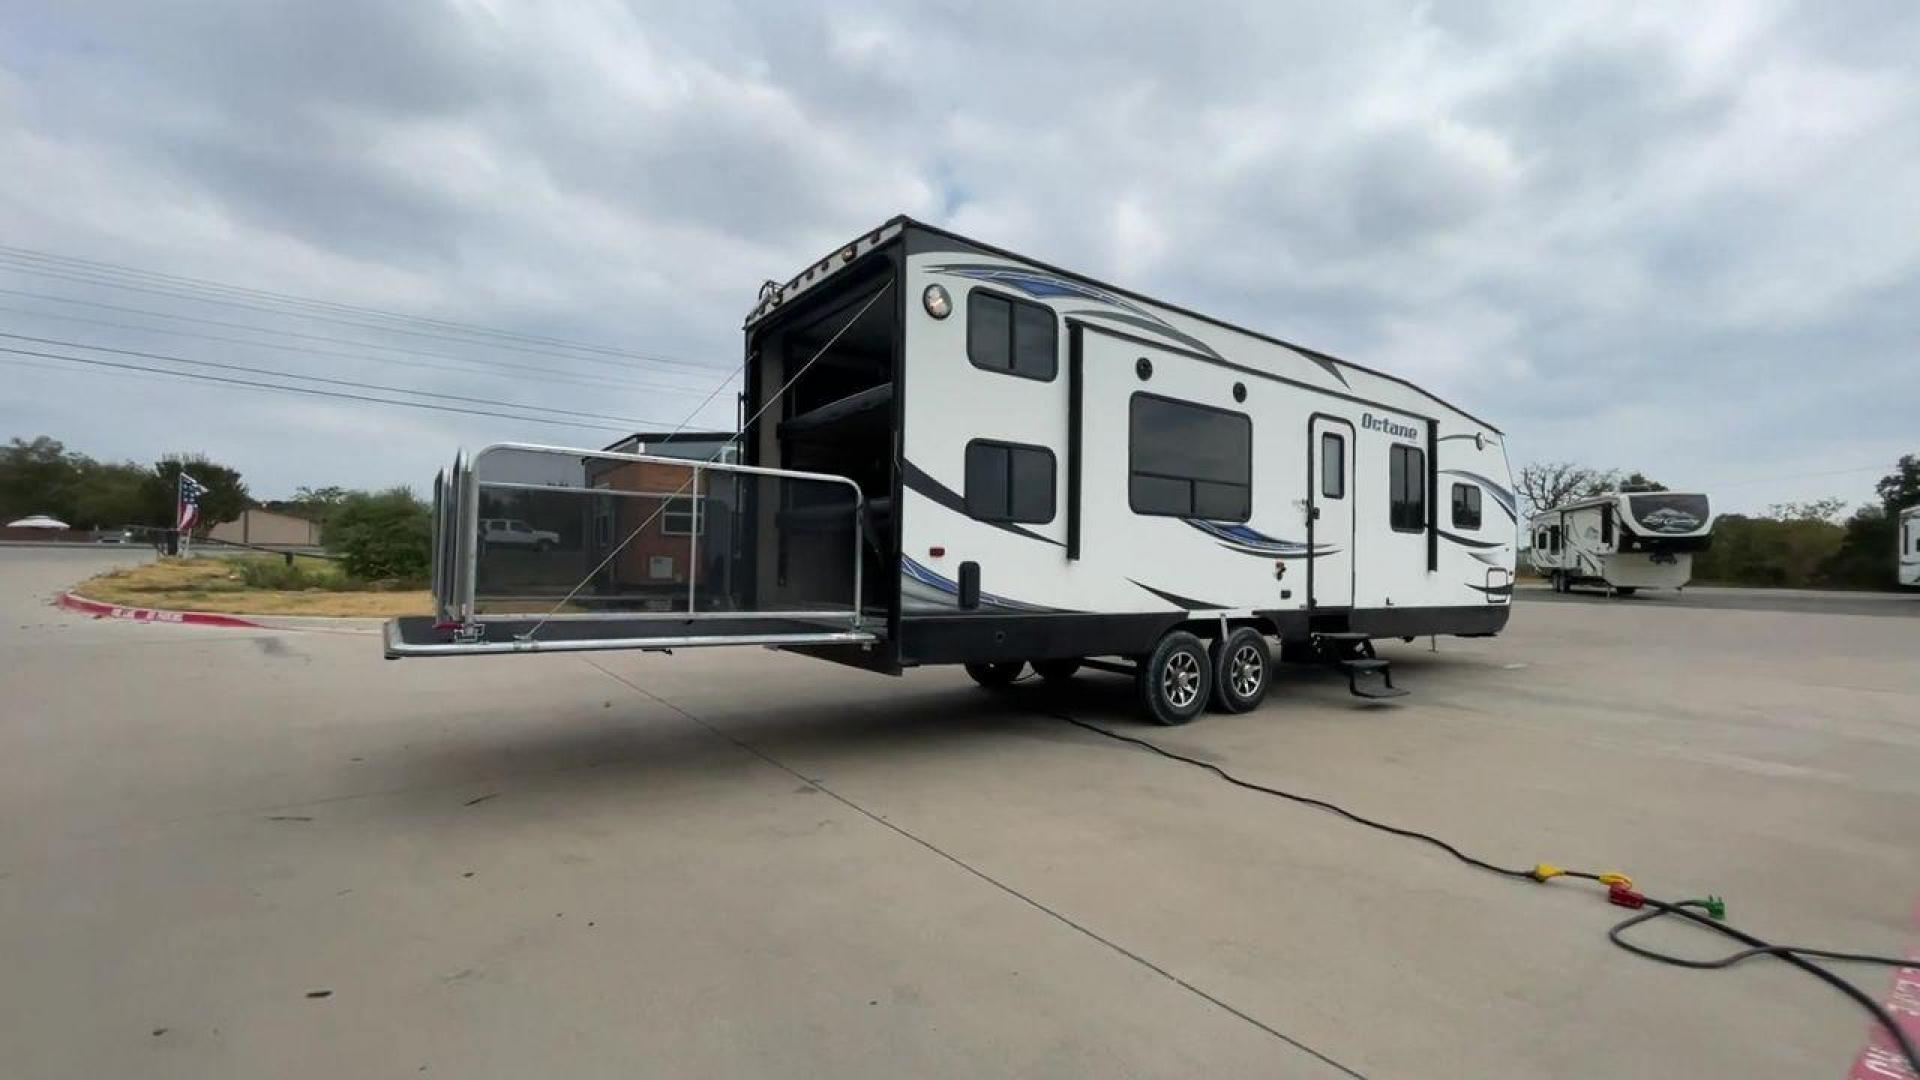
[937,302]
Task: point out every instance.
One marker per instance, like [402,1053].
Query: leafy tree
[109,494]
[1638,481]
[1546,485]
[382,536]
[1900,488]
[1776,551]
[1813,510]
[38,477]
[314,504]
[1865,555]
[225,498]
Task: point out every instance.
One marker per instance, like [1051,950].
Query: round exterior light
[937,302]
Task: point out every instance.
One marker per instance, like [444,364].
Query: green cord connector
[1716,907]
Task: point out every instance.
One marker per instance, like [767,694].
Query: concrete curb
[99,610]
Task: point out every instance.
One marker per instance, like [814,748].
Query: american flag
[190,492]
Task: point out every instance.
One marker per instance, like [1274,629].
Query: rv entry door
[1330,532]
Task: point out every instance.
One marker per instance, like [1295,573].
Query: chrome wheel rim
[1244,671]
[1180,682]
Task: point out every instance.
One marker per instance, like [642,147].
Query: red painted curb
[1881,1059]
[142,614]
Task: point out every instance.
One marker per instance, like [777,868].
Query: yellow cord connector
[1546,870]
[1615,877]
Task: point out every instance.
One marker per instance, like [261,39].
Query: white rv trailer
[953,454]
[1624,541]
[1910,547]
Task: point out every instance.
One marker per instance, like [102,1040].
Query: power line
[256,328]
[545,374]
[29,255]
[465,336]
[309,391]
[1800,476]
[250,370]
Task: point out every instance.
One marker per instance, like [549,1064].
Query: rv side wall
[986,434]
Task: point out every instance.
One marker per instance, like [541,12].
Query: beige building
[267,529]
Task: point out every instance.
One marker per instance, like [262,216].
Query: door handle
[1313,513]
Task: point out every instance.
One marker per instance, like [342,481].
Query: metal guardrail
[568,535]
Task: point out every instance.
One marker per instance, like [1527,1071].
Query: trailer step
[1370,669]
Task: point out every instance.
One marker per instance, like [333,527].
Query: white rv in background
[1622,541]
[1910,547]
[951,454]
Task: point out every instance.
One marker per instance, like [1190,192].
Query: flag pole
[179,489]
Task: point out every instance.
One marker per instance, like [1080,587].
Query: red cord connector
[1625,897]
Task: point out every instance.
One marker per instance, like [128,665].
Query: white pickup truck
[508,532]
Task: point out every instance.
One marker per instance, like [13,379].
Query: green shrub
[382,536]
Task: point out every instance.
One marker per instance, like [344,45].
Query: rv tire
[1175,679]
[994,674]
[1242,671]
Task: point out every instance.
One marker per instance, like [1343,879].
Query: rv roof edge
[821,270]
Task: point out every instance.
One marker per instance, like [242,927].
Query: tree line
[1790,545]
[378,535]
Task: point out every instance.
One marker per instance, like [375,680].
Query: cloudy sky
[1685,241]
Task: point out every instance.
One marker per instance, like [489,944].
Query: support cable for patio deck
[721,449]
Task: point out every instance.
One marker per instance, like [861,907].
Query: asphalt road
[237,853]
[1801,601]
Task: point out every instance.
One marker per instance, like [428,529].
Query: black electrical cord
[1306,800]
[1793,954]
[1662,908]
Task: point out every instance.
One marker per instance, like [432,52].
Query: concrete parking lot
[254,853]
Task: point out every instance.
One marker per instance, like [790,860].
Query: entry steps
[1368,676]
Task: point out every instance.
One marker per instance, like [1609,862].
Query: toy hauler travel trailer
[1625,541]
[1910,547]
[949,453]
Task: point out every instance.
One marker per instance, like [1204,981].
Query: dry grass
[218,585]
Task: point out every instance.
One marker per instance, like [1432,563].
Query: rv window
[1466,506]
[1333,465]
[1407,489]
[1009,482]
[1011,336]
[1189,460]
[1553,539]
[1606,524]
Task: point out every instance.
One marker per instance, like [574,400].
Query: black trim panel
[1076,424]
[1474,621]
[1464,542]
[943,639]
[950,639]
[1186,603]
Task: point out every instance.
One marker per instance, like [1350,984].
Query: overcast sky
[1685,241]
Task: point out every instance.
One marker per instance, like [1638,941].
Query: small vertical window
[1009,482]
[1466,506]
[1407,489]
[1011,336]
[1606,525]
[1333,465]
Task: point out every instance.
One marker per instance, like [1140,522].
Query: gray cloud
[1677,240]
